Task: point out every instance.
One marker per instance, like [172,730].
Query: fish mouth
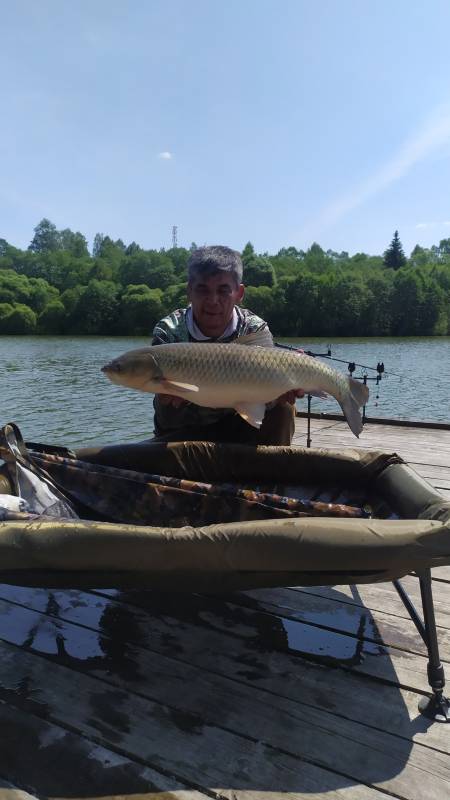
[111,367]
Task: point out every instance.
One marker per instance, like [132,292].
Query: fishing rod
[351,365]
[379,368]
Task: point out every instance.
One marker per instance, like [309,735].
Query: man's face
[213,300]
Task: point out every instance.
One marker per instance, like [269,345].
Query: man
[215,290]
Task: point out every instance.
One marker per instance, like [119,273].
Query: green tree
[97,310]
[377,319]
[433,318]
[52,319]
[102,270]
[105,247]
[291,252]
[248,254]
[316,260]
[6,309]
[14,288]
[97,245]
[407,301]
[22,320]
[46,238]
[420,256]
[394,257]
[149,267]
[41,293]
[73,243]
[141,308]
[72,300]
[179,258]
[4,246]
[341,304]
[175,296]
[444,250]
[132,249]
[261,300]
[259,272]
[298,314]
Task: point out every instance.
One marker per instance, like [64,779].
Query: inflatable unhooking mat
[201,516]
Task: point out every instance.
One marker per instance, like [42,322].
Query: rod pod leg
[436,707]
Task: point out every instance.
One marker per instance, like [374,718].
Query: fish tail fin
[357,396]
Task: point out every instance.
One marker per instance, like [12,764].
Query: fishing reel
[366,377]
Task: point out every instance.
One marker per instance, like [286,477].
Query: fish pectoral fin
[253,413]
[262,338]
[185,387]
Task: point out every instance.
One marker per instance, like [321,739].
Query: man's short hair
[207,261]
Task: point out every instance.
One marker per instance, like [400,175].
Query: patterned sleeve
[160,334]
[171,329]
[253,324]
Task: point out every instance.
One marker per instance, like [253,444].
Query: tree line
[57,286]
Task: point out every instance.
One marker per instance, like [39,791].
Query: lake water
[53,389]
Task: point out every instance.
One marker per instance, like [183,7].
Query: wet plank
[186,746]
[198,630]
[358,618]
[114,649]
[52,761]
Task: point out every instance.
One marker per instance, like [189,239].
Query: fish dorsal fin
[253,413]
[261,338]
[185,387]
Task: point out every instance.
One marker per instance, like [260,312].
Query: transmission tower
[174,236]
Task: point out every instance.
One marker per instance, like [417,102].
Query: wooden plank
[56,762]
[25,627]
[427,450]
[10,792]
[438,476]
[413,444]
[225,763]
[357,619]
[252,660]
[431,470]
[442,573]
[382,599]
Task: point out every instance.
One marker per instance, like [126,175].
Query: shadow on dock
[140,692]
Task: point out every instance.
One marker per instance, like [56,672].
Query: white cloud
[434,224]
[165,155]
[432,135]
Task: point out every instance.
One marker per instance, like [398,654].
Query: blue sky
[282,122]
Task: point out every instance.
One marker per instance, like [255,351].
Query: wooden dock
[307,693]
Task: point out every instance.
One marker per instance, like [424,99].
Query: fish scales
[249,367]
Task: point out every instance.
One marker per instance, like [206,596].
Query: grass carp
[218,375]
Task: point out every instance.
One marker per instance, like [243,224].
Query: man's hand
[290,397]
[171,400]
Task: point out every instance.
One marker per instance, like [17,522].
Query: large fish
[218,375]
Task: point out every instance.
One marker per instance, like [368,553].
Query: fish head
[136,369]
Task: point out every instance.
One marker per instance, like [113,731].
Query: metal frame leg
[308,429]
[436,707]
